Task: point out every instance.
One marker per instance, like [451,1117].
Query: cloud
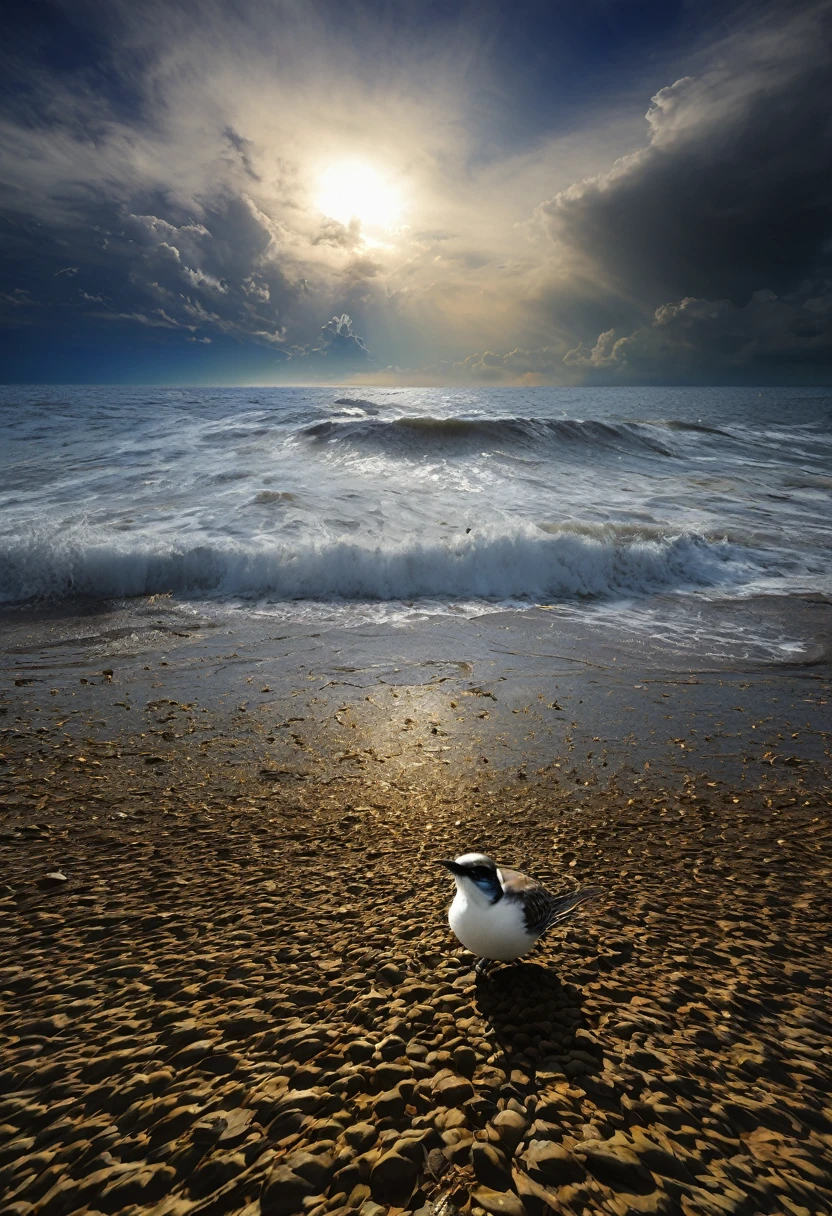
[699,338]
[158,319]
[732,193]
[18,298]
[339,351]
[518,366]
[182,200]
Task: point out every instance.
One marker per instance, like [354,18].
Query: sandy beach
[228,983]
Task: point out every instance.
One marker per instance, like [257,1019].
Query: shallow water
[644,509]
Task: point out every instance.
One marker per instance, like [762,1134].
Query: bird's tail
[563,908]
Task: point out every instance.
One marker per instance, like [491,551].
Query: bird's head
[475,872]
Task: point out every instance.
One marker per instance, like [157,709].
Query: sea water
[651,507]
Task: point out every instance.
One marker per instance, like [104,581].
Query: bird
[501,914]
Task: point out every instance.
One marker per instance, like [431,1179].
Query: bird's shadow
[533,1017]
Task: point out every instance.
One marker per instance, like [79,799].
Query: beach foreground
[228,983]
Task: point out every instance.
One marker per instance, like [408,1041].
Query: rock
[458,1144]
[465,1060]
[388,1075]
[391,974]
[647,1061]
[500,1203]
[391,1103]
[450,1089]
[392,1047]
[413,1144]
[490,1167]
[510,1127]
[304,996]
[437,1163]
[448,1118]
[237,1126]
[659,1161]
[307,1101]
[315,1168]
[306,1077]
[361,1135]
[192,1053]
[616,1165]
[242,1025]
[359,1195]
[537,1199]
[143,1186]
[54,879]
[284,1191]
[392,1179]
[209,1130]
[359,1050]
[552,1165]
[370,1208]
[188,1030]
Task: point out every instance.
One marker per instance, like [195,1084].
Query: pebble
[551,1164]
[500,1203]
[392,1179]
[491,1167]
[284,1191]
[510,1127]
[360,1135]
[450,1089]
[54,879]
[616,1166]
[207,1054]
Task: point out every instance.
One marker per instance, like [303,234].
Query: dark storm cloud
[161,166]
[770,334]
[149,186]
[733,193]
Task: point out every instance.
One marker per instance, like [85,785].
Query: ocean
[702,517]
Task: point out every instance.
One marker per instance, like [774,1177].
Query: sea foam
[524,563]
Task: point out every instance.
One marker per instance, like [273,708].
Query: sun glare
[351,190]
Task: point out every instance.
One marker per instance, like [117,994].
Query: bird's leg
[482,966]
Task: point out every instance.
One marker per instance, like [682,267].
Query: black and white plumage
[501,914]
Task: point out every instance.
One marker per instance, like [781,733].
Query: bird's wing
[541,910]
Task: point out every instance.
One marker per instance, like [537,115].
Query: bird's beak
[452,866]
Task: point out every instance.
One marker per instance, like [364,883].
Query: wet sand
[227,979]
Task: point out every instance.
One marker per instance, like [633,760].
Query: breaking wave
[583,562]
[415,435]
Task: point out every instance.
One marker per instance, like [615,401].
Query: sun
[352,190]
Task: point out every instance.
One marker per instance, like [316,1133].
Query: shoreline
[238,991]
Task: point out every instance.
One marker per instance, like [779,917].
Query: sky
[399,192]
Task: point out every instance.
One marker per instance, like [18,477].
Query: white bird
[500,914]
